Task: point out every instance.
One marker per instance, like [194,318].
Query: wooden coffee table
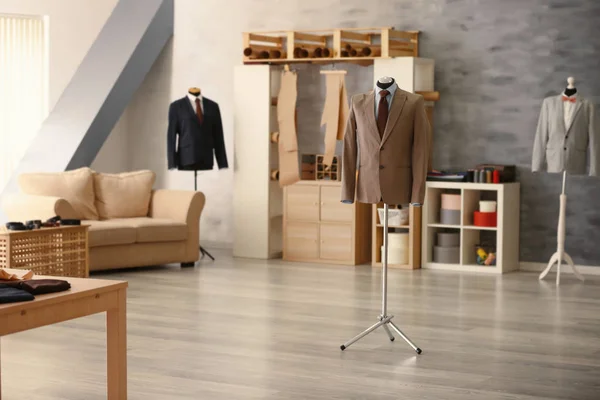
[86,297]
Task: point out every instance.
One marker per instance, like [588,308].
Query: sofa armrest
[23,207]
[183,206]
[178,205]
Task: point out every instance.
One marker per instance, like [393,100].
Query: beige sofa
[131,225]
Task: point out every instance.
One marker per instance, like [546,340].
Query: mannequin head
[385,82]
[571,89]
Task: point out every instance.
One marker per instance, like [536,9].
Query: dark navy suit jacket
[199,143]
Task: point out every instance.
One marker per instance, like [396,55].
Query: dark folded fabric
[10,294]
[39,286]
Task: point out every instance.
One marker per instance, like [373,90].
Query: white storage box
[396,217]
[396,255]
[398,240]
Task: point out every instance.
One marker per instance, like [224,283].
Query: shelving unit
[258,220]
[505,236]
[414,238]
[331,45]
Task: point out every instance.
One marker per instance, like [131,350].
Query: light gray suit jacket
[565,149]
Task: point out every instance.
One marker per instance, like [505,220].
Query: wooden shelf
[443,226]
[481,228]
[395,266]
[414,239]
[461,268]
[353,45]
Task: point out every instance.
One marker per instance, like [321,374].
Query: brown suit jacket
[392,168]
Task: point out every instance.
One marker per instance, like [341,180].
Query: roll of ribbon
[487,206]
[496,176]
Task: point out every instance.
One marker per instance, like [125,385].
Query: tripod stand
[202,250]
[384,318]
[561,255]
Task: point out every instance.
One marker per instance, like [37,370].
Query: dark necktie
[199,111]
[382,112]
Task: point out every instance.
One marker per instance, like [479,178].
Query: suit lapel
[560,114]
[578,103]
[395,111]
[370,114]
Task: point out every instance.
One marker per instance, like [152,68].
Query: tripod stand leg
[414,346]
[553,259]
[576,272]
[365,333]
[387,330]
[206,253]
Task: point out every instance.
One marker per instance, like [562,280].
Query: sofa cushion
[76,186]
[125,195]
[156,229]
[110,232]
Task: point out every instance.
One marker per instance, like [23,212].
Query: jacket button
[381,167]
[382,148]
[564,148]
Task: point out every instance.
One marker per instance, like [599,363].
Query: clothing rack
[202,250]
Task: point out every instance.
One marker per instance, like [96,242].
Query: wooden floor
[241,329]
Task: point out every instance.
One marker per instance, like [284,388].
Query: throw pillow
[125,195]
[76,187]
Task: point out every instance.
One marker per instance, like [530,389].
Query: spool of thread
[481,176]
[488,176]
[496,176]
[275,137]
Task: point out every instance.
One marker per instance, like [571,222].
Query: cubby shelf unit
[506,232]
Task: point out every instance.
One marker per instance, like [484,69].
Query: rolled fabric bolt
[263,54]
[348,47]
[344,53]
[298,52]
[275,54]
[353,53]
[248,51]
[326,52]
[488,176]
[318,52]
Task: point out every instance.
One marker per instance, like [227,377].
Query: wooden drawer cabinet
[332,209]
[335,241]
[303,202]
[305,239]
[318,227]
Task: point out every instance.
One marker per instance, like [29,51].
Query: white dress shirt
[389,97]
[193,98]
[569,109]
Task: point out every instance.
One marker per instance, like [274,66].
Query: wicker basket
[61,251]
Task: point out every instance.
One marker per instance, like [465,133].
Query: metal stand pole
[202,250]
[561,255]
[384,319]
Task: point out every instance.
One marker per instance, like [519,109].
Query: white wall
[73,27]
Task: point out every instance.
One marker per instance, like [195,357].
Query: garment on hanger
[566,134]
[289,172]
[335,114]
[392,165]
[195,135]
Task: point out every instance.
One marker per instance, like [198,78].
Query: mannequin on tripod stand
[391,129]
